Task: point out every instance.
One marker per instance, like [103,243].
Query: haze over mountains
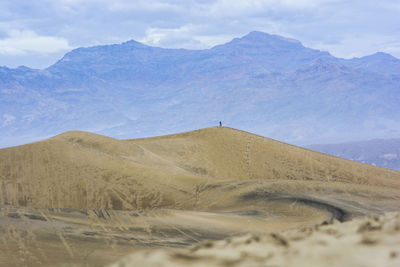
[380,152]
[263,83]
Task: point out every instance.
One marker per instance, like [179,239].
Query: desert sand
[89,200]
[370,241]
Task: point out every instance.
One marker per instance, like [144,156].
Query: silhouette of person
[220,123]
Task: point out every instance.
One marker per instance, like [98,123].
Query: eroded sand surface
[90,200]
[360,242]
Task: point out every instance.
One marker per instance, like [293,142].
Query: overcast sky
[37,33]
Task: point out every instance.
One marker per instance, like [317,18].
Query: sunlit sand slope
[86,198]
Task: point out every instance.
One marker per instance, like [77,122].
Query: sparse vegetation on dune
[83,198]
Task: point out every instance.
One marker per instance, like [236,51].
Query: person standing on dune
[220,124]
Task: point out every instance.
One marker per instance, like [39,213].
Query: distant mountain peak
[262,37]
[134,43]
[24,68]
[382,55]
[379,62]
[256,34]
[377,56]
[261,40]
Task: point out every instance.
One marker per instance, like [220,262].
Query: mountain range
[263,83]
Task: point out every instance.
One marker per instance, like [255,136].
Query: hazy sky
[37,33]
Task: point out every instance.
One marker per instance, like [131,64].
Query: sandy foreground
[371,241]
[211,197]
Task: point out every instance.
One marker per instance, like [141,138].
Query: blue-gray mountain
[262,83]
[380,152]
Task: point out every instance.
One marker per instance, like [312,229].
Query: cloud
[7,119]
[23,42]
[345,28]
[187,36]
[172,37]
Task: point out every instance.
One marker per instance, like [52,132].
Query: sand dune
[84,198]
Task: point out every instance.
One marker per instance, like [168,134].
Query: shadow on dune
[337,213]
